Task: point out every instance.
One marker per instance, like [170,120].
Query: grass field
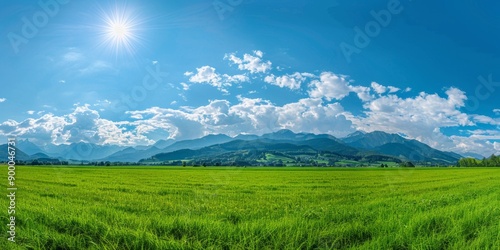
[253,208]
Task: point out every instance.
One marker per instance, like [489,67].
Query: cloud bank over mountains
[320,109]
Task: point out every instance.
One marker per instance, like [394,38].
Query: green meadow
[253,208]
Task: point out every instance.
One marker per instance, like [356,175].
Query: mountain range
[281,147]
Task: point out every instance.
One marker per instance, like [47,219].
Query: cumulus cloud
[474,144]
[251,62]
[207,75]
[249,115]
[330,86]
[188,123]
[421,118]
[2,100]
[255,115]
[393,89]
[458,143]
[362,92]
[291,81]
[334,86]
[179,124]
[306,115]
[82,125]
[381,89]
[456,97]
[185,86]
[43,129]
[485,119]
[415,116]
[235,78]
[492,134]
[311,115]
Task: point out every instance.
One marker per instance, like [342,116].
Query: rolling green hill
[320,151]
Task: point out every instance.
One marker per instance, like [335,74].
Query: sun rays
[120,30]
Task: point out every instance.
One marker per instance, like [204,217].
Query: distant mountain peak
[281,132]
[215,136]
[356,145]
[356,133]
[284,131]
[397,145]
[28,147]
[378,132]
[163,143]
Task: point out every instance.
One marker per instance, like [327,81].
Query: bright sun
[120,31]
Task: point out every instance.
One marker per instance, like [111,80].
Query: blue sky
[133,72]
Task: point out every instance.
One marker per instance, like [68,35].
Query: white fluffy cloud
[207,75]
[474,144]
[362,92]
[381,89]
[255,116]
[393,89]
[330,86]
[333,86]
[185,86]
[292,81]
[2,100]
[421,118]
[413,116]
[251,62]
[235,78]
[82,125]
[485,119]
[311,115]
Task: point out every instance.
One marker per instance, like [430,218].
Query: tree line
[492,161]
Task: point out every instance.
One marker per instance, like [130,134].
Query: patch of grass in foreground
[254,208]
